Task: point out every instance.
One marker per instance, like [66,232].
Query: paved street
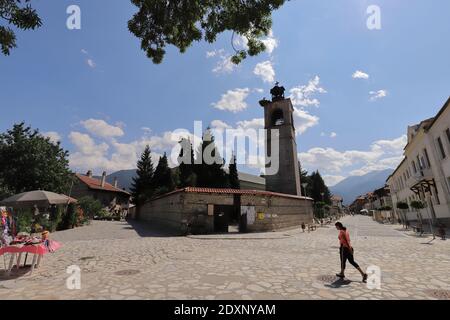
[120,261]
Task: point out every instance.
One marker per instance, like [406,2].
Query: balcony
[422,179]
[421,175]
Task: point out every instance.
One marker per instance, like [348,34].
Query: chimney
[103,178]
[115,182]
[89,174]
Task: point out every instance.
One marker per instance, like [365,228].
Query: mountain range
[354,186]
[349,188]
[124,178]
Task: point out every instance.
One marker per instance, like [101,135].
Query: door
[221,218]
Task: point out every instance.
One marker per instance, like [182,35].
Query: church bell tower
[279,123]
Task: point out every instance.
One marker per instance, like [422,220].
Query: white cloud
[333,135]
[257,123]
[53,136]
[270,42]
[146,130]
[233,100]
[303,95]
[265,71]
[304,120]
[102,129]
[375,95]
[219,125]
[383,154]
[224,63]
[84,51]
[86,145]
[91,63]
[360,75]
[331,180]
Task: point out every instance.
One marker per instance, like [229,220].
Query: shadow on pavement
[146,229]
[339,283]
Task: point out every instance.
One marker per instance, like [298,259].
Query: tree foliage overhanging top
[17,13]
[159,23]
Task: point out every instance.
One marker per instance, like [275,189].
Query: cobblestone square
[119,261]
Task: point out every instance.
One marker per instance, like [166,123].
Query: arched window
[277,118]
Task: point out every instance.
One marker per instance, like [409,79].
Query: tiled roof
[96,184]
[233,191]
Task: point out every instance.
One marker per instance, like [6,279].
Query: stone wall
[273,212]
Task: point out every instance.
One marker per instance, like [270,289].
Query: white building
[424,173]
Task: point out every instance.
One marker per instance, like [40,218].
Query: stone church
[280,206]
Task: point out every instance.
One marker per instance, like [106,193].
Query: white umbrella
[39,198]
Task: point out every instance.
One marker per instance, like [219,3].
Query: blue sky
[95,91]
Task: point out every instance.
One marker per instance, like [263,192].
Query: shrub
[417,205]
[91,207]
[24,220]
[402,206]
[69,218]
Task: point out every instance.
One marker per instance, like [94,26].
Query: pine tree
[233,175]
[186,173]
[305,179]
[210,172]
[318,187]
[163,180]
[142,188]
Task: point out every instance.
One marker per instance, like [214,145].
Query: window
[441,147]
[277,118]
[419,165]
[447,132]
[427,157]
[413,164]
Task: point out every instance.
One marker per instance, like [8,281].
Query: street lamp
[304,185]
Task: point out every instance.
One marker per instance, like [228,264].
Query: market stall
[32,242]
[26,244]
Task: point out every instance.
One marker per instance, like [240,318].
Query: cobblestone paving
[120,261]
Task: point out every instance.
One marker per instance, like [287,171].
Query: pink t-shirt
[344,238]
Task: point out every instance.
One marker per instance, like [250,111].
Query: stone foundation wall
[272,212]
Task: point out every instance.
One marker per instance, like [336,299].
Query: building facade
[424,173]
[109,195]
[209,210]
[280,206]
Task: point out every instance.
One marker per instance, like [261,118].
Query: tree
[30,161]
[142,187]
[20,15]
[210,172]
[163,180]
[159,23]
[233,176]
[305,178]
[186,173]
[318,188]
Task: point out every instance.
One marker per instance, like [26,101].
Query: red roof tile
[233,191]
[96,184]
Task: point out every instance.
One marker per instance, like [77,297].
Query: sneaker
[365,278]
